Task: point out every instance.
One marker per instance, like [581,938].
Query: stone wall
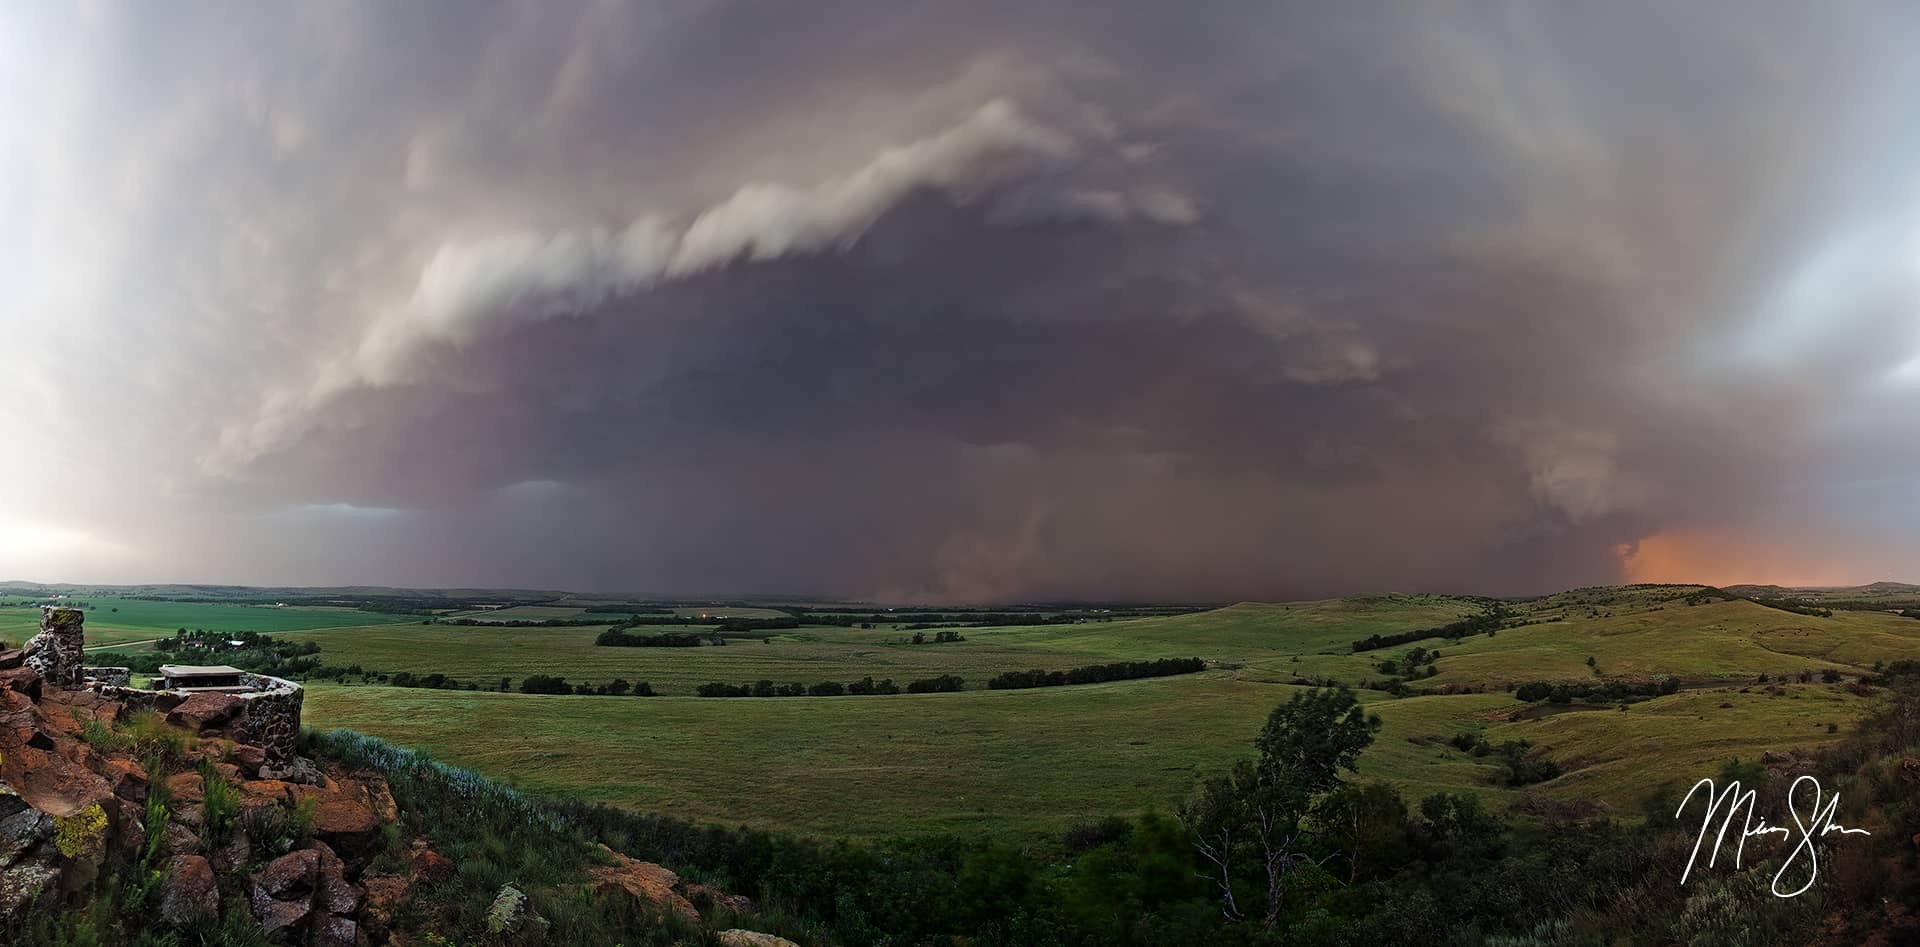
[58,652]
[269,715]
[270,719]
[113,677]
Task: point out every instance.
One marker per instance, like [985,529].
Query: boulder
[22,884]
[11,658]
[191,894]
[249,759]
[21,832]
[345,824]
[202,712]
[645,882]
[296,770]
[709,898]
[512,916]
[281,894]
[186,787]
[22,680]
[128,780]
[332,893]
[34,767]
[432,867]
[744,938]
[336,932]
[289,876]
[177,839]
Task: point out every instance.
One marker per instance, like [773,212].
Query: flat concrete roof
[198,670]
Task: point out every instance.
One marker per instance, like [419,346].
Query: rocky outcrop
[511,918]
[644,882]
[69,806]
[744,938]
[192,894]
[305,896]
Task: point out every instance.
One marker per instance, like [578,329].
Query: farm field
[1035,761]
[112,621]
[808,655]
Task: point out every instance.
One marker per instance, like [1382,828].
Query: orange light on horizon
[1711,558]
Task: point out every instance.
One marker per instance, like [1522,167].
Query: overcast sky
[960,301]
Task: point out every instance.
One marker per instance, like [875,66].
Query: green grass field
[1039,760]
[807,655]
[114,621]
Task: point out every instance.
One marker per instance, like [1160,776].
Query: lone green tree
[1259,808]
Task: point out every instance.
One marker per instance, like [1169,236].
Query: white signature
[1730,801]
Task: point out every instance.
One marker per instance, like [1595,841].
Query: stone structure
[58,652]
[112,677]
[269,716]
[180,677]
[266,712]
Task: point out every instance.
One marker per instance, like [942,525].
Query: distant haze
[961,301]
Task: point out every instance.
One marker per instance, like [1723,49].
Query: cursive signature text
[1732,801]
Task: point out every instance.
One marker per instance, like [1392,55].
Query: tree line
[618,637]
[1488,621]
[1096,673]
[1609,692]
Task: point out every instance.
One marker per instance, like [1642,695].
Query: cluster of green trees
[738,625]
[866,686]
[982,619]
[939,637]
[246,650]
[549,684]
[1487,621]
[1610,692]
[1521,764]
[1095,673]
[1795,606]
[617,637]
[1410,664]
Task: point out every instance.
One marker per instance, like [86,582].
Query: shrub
[544,684]
[945,683]
[83,834]
[219,807]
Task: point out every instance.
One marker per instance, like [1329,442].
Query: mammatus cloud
[471,288]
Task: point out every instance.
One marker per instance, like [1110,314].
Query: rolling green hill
[1037,760]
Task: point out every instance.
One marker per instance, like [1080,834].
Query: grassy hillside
[1037,760]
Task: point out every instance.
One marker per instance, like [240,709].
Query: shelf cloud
[960,301]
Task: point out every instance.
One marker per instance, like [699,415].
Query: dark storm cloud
[967,301]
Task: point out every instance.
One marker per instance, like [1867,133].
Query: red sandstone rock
[191,893]
[643,881]
[432,867]
[287,877]
[205,711]
[128,780]
[347,825]
[709,897]
[11,658]
[186,787]
[332,893]
[22,680]
[248,759]
[48,780]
